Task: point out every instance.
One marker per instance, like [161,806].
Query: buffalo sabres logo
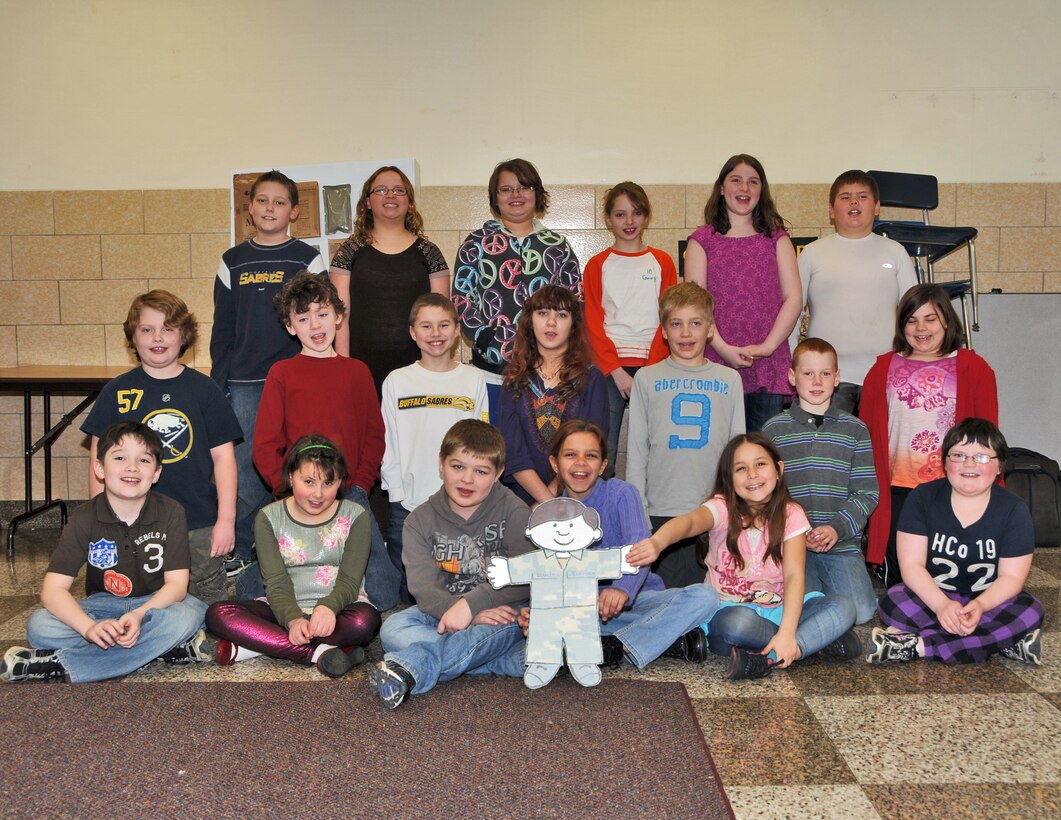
[175,431]
[102,554]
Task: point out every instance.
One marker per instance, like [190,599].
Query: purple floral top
[922,402]
[742,277]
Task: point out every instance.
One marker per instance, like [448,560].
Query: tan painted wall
[132,94]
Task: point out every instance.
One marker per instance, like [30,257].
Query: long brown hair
[414,223]
[770,516]
[525,357]
[911,302]
[765,218]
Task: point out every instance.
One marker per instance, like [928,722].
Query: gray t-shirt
[681,418]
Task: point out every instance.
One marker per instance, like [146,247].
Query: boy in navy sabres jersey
[247,339]
[195,422]
[136,544]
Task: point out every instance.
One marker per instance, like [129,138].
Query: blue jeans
[658,618]
[616,408]
[843,573]
[822,621]
[760,407]
[160,631]
[252,492]
[411,638]
[382,579]
[395,526]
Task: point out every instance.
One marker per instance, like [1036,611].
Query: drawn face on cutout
[568,535]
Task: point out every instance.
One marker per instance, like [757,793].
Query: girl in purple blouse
[744,258]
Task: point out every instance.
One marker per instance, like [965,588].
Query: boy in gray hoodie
[460,623]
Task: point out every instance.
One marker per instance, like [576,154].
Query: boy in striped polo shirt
[829,470]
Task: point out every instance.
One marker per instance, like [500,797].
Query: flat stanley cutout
[563,589]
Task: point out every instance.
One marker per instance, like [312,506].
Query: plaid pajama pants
[998,628]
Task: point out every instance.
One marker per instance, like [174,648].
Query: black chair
[928,242]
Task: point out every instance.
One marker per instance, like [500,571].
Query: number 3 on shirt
[690,410]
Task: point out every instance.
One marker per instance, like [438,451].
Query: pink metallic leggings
[251,624]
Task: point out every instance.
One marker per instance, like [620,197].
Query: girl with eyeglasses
[911,397]
[965,549]
[500,265]
[385,265]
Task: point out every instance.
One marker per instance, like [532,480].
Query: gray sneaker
[1029,649]
[391,683]
[23,664]
[892,646]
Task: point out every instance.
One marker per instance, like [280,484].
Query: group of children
[785,508]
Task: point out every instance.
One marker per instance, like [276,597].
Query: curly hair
[525,356]
[302,291]
[364,221]
[770,515]
[765,218]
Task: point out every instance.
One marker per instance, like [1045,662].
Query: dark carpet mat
[471,748]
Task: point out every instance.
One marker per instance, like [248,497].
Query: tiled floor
[917,740]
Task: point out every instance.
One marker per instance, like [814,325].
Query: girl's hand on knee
[298,632]
[321,622]
[950,618]
[970,615]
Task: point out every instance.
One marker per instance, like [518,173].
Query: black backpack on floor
[1037,479]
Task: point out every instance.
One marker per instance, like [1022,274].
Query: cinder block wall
[71,261]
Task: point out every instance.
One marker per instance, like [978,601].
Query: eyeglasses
[383,190]
[508,190]
[979,458]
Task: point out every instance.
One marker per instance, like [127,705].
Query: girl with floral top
[312,547]
[911,397]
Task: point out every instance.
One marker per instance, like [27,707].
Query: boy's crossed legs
[160,631]
[411,641]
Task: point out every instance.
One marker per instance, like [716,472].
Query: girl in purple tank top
[743,256]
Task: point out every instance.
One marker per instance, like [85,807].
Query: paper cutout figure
[563,589]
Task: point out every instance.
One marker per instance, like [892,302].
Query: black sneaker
[23,664]
[744,665]
[1029,649]
[613,651]
[199,648]
[391,683]
[845,648]
[234,566]
[338,661]
[692,647]
[892,646]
